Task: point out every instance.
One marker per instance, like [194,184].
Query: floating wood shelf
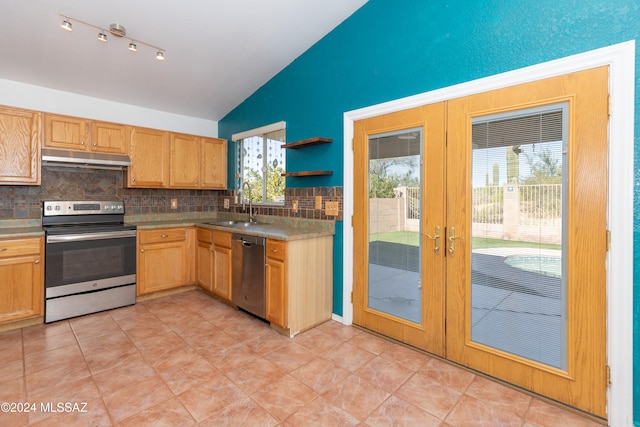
[308,173]
[308,142]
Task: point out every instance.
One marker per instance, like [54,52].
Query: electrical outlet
[226,203]
[331,209]
[294,206]
[318,202]
[174,203]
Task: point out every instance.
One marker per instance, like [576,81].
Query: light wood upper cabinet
[21,278]
[214,163]
[19,147]
[149,151]
[198,162]
[184,168]
[108,138]
[71,133]
[159,159]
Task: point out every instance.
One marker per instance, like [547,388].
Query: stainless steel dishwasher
[248,285]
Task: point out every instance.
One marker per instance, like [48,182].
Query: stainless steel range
[90,258]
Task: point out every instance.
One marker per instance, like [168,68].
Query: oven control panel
[54,208]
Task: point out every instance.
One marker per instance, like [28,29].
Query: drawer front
[19,247]
[222,238]
[276,249]
[161,235]
[205,235]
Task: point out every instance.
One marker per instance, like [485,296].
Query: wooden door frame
[621,61]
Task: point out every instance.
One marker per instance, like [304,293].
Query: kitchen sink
[235,224]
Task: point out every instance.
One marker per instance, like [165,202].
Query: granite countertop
[274,227]
[279,228]
[18,228]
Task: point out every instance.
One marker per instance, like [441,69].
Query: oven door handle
[90,236]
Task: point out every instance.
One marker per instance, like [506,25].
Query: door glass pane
[394,285]
[518,268]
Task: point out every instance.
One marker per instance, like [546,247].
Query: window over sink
[261,161]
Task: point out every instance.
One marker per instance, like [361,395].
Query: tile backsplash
[61,183]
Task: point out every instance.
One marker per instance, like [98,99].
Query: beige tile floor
[187,360]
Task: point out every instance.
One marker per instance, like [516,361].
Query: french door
[480,233]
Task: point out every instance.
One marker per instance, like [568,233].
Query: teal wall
[390,49]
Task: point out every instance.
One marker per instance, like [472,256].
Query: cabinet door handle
[164,236]
[133,180]
[95,145]
[3,249]
[37,261]
[141,250]
[81,142]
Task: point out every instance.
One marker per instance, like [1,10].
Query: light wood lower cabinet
[222,261]
[204,259]
[276,283]
[21,278]
[213,262]
[298,273]
[299,283]
[163,259]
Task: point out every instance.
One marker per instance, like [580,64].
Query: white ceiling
[218,52]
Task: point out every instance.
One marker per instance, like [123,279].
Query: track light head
[160,56]
[66,25]
[133,47]
[102,36]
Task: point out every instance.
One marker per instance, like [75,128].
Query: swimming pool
[545,265]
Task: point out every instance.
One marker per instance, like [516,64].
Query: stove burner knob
[57,207]
[48,208]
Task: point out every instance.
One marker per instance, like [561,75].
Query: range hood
[81,159]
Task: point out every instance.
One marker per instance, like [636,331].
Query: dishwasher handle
[248,240]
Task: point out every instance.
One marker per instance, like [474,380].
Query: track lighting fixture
[115,30]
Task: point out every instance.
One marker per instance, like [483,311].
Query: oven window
[103,262]
[76,262]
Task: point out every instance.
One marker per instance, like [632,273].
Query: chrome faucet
[246,183]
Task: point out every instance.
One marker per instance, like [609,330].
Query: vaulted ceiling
[217,52]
